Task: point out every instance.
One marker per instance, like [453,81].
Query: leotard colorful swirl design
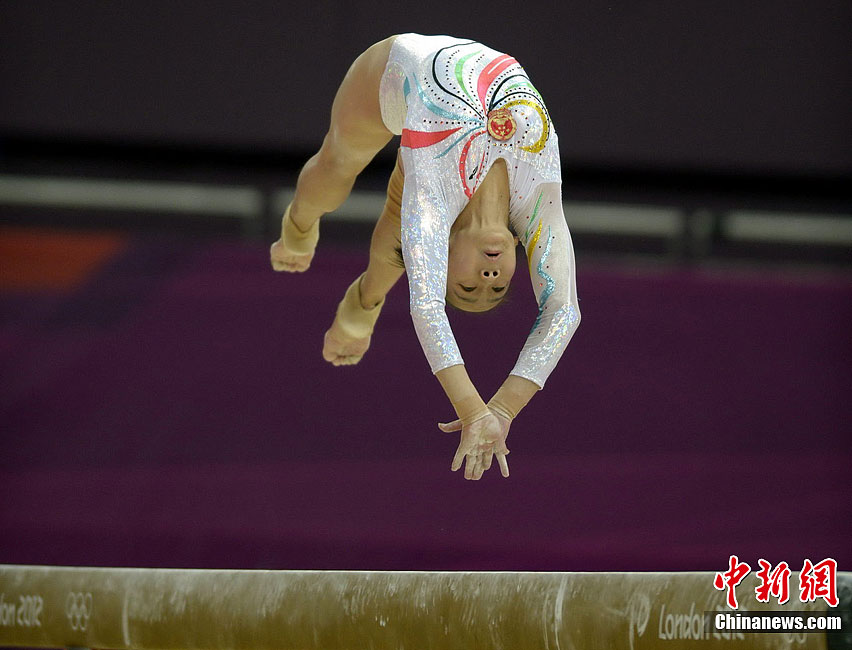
[438,93]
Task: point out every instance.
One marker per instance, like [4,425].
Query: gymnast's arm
[425,242]
[385,268]
[544,234]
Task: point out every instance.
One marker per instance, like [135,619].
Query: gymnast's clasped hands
[477,174]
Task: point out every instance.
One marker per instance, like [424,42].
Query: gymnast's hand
[295,250]
[481,440]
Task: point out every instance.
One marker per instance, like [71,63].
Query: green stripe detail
[533,217]
[460,72]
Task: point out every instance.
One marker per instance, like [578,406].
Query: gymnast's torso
[460,106]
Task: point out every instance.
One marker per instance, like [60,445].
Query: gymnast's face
[480,266]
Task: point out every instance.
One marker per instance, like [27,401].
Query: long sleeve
[545,237]
[425,233]
[449,88]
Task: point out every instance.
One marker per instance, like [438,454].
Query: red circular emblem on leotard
[501,124]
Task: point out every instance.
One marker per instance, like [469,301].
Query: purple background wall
[758,87]
[173,409]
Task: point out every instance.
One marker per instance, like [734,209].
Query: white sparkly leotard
[437,92]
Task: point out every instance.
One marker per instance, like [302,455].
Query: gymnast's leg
[348,338]
[356,134]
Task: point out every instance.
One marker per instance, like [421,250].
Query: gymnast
[477,172]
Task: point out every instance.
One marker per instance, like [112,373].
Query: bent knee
[337,159]
[344,156]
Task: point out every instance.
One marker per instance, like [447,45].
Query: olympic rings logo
[78,609]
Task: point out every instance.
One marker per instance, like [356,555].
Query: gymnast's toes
[284,260]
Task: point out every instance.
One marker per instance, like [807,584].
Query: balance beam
[188,609]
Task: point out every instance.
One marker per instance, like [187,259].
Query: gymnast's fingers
[458,458]
[504,466]
[479,465]
[489,458]
[479,468]
[470,466]
[449,427]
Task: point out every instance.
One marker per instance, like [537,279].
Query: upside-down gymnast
[477,171]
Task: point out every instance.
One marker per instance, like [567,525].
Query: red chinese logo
[773,583]
[501,124]
[815,581]
[731,578]
[819,581]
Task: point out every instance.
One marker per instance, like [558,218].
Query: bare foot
[295,250]
[284,260]
[341,349]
